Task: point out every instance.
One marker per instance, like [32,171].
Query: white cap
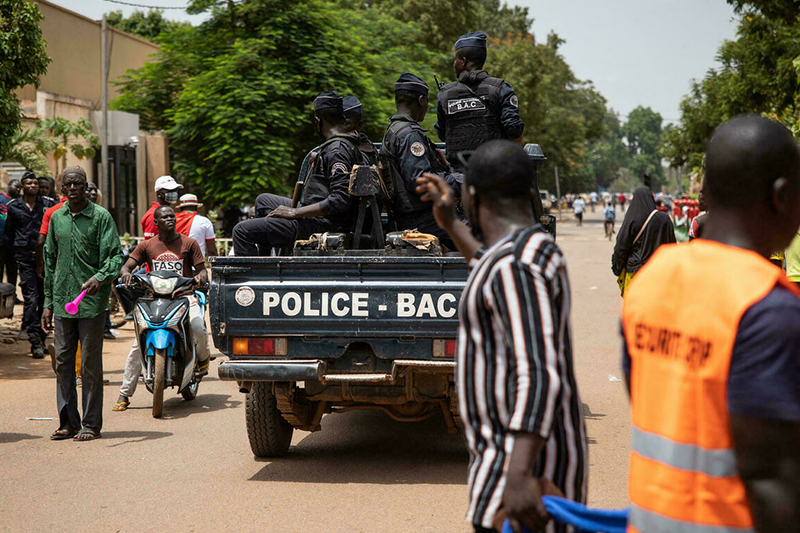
[168,183]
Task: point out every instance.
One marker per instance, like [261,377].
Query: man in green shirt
[82,252]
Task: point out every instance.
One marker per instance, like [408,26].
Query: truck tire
[159,381]
[269,433]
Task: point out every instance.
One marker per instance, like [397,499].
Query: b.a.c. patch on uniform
[513,100]
[339,167]
[418,149]
[464,104]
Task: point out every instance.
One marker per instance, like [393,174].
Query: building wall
[73,43]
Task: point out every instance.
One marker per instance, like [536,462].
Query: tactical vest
[473,115]
[317,186]
[680,335]
[404,201]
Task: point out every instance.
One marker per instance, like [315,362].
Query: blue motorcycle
[165,337]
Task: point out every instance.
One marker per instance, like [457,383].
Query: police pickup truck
[330,329]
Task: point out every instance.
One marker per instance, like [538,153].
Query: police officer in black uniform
[325,203]
[476,108]
[408,152]
[353,122]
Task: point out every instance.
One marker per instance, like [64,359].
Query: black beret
[351,106]
[409,82]
[328,100]
[476,39]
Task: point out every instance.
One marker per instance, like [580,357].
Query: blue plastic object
[578,515]
[160,339]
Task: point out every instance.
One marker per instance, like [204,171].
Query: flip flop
[63,434]
[87,434]
[121,406]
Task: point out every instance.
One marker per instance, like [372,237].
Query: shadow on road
[8,438]
[176,407]
[132,437]
[370,447]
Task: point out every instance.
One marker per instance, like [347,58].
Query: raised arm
[432,188]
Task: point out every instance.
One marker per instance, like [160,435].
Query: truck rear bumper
[261,370]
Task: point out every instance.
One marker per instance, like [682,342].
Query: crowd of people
[710,329]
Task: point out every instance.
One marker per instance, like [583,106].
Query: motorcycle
[164,333]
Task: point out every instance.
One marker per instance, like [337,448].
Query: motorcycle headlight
[164,286]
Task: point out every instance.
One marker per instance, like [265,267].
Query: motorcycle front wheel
[158,382]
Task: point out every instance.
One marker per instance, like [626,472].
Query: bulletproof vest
[317,186]
[404,201]
[473,115]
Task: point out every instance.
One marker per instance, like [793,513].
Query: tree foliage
[148,25]
[22,61]
[758,74]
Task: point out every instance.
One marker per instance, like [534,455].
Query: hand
[39,268]
[284,211]
[522,502]
[433,188]
[201,279]
[91,286]
[126,278]
[47,320]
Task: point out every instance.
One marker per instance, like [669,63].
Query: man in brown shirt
[173,252]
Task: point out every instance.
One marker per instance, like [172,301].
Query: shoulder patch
[339,167]
[418,149]
[513,100]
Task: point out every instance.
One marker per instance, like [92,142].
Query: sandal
[63,434]
[87,434]
[121,406]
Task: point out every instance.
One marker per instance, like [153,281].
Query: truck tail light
[444,348]
[259,346]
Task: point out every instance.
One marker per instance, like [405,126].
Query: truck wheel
[269,433]
[158,382]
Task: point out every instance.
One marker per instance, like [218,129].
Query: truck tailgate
[367,297]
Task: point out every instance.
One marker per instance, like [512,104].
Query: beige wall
[73,43]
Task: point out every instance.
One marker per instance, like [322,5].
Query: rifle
[301,182]
[439,85]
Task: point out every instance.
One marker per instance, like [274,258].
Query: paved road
[193,470]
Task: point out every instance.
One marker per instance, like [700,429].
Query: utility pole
[558,192]
[105,175]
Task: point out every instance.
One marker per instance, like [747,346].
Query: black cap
[28,174]
[410,82]
[351,106]
[328,100]
[475,39]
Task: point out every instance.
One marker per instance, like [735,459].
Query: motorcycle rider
[170,251]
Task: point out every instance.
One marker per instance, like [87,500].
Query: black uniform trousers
[32,294]
[8,264]
[259,235]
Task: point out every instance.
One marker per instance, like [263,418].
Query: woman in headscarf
[643,230]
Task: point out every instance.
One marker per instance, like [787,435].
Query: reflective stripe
[714,463]
[650,522]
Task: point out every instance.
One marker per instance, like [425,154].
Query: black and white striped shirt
[514,369]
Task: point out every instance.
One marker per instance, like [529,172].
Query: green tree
[608,155]
[59,136]
[237,102]
[29,148]
[643,134]
[148,25]
[758,74]
[22,61]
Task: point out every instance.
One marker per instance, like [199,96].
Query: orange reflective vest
[680,317]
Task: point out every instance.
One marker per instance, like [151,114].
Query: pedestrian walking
[696,225]
[578,206]
[712,352]
[21,229]
[622,200]
[516,386]
[82,253]
[643,230]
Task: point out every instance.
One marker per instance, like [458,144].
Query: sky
[636,52]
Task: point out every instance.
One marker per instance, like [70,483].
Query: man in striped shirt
[516,387]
